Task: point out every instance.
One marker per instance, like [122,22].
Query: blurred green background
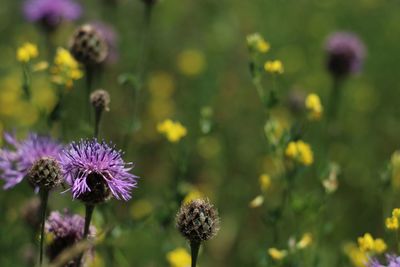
[197,57]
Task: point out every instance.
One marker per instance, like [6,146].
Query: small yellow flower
[27,52]
[396,212]
[265,182]
[191,62]
[379,246]
[366,242]
[275,66]
[192,195]
[392,223]
[305,241]
[277,254]
[300,152]
[179,258]
[256,42]
[256,202]
[314,106]
[174,131]
[66,69]
[357,257]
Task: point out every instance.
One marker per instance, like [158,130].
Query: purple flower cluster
[345,53]
[97,171]
[392,261]
[67,229]
[51,13]
[15,163]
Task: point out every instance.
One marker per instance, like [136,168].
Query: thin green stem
[88,218]
[194,247]
[97,119]
[44,196]
[89,83]
[334,100]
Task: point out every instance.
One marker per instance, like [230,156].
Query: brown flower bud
[100,100]
[45,173]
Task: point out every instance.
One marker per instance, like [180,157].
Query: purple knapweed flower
[345,54]
[15,163]
[67,230]
[50,13]
[96,172]
[391,261]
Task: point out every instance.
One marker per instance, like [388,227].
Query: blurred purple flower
[345,52]
[392,261]
[111,37]
[15,163]
[50,13]
[97,171]
[67,229]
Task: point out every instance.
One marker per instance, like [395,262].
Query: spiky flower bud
[88,45]
[198,221]
[45,173]
[100,100]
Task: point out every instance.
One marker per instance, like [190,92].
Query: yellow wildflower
[305,241]
[379,246]
[265,182]
[256,202]
[357,257]
[277,254]
[66,68]
[314,106]
[192,195]
[174,131]
[27,52]
[366,242]
[392,223]
[256,42]
[191,62]
[396,212]
[140,209]
[275,66]
[300,152]
[179,258]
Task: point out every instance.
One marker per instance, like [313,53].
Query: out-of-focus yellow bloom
[277,254]
[256,202]
[265,182]
[379,246]
[392,223]
[305,241]
[179,258]
[300,152]
[314,106]
[174,131]
[331,183]
[273,130]
[274,66]
[27,52]
[41,66]
[140,209]
[192,195]
[396,212]
[357,257]
[256,42]
[161,85]
[191,62]
[66,69]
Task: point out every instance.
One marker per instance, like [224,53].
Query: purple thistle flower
[345,52]
[392,261]
[67,229]
[50,13]
[15,163]
[96,172]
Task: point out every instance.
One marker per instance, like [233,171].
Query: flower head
[300,152]
[274,66]
[256,42]
[314,106]
[96,172]
[67,229]
[174,131]
[368,244]
[50,13]
[66,69]
[391,261]
[179,257]
[277,254]
[27,52]
[345,53]
[15,163]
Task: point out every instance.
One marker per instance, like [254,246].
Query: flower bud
[100,100]
[45,173]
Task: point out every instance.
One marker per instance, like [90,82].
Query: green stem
[88,218]
[334,100]
[44,196]
[194,247]
[89,83]
[97,119]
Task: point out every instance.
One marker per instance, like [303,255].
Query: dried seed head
[99,190]
[198,221]
[45,173]
[100,100]
[88,45]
